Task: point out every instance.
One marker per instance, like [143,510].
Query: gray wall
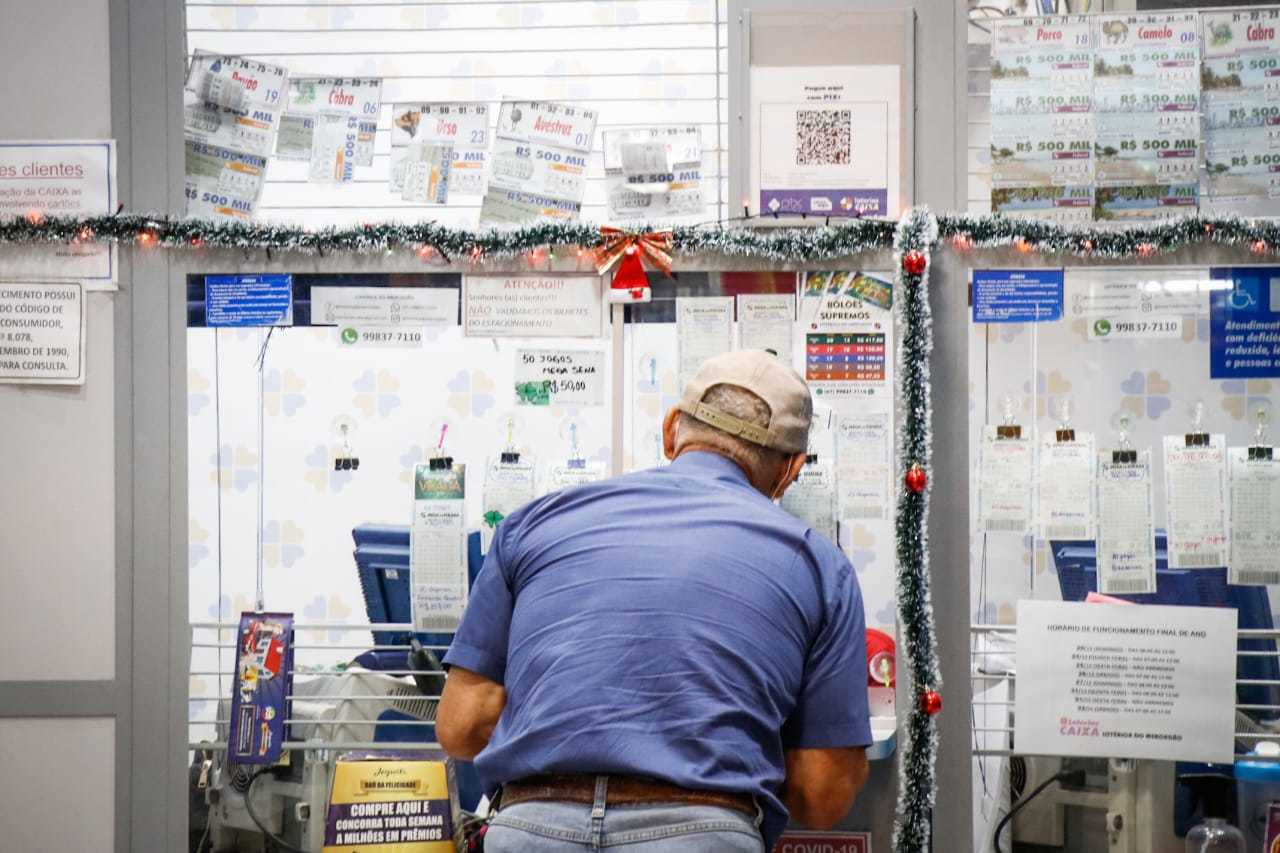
[57,511]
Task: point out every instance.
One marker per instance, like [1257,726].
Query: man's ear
[795,465]
[669,427]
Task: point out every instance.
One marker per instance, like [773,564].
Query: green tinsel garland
[788,244]
[916,235]
[995,231]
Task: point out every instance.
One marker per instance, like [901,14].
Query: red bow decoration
[629,250]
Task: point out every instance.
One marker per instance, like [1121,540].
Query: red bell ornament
[931,702]
[916,478]
[914,262]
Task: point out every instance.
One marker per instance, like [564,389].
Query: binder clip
[346,460]
[438,461]
[575,455]
[1008,429]
[1125,454]
[812,458]
[1260,451]
[1064,432]
[510,456]
[1197,437]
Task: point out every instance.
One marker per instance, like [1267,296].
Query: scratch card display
[263,682]
[463,127]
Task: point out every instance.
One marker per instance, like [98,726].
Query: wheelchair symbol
[1240,299]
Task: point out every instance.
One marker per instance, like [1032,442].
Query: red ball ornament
[916,478]
[914,262]
[931,702]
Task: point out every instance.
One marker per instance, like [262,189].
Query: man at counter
[667,659]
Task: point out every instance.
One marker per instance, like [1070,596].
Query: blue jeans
[549,827]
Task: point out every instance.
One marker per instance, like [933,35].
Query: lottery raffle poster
[1241,81]
[232,111]
[539,162]
[1042,118]
[1096,117]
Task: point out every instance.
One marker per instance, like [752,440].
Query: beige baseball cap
[766,376]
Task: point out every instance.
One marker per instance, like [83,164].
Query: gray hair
[759,462]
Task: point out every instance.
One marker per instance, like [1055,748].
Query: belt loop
[597,811]
[759,811]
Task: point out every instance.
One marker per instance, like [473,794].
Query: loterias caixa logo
[1070,727]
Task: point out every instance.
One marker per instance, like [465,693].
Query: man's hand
[821,784]
[469,709]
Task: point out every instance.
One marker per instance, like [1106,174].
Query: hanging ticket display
[704,328]
[1195,490]
[1004,489]
[221,182]
[426,171]
[812,497]
[333,149]
[862,472]
[1065,488]
[438,548]
[311,96]
[653,173]
[566,475]
[507,487]
[462,127]
[539,162]
[234,103]
[766,321]
[1126,526]
[1255,517]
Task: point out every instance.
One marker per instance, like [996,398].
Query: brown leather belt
[622,791]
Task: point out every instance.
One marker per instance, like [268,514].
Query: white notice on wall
[704,328]
[42,333]
[59,177]
[384,306]
[507,487]
[825,139]
[438,548]
[1255,517]
[1004,488]
[559,377]
[535,306]
[1126,526]
[1126,681]
[1066,488]
[862,473]
[1195,487]
[766,321]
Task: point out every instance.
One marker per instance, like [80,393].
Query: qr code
[824,137]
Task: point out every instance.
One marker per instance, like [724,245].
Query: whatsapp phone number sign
[356,336]
[1128,326]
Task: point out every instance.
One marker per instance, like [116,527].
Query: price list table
[845,357]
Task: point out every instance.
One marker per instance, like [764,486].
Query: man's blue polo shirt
[671,623]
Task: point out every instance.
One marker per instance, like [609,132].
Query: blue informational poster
[248,300]
[1017,296]
[1244,323]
